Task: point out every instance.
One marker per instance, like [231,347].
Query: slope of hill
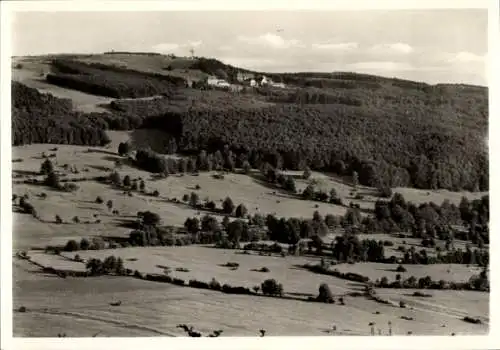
[392,132]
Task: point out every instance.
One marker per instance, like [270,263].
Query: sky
[434,46]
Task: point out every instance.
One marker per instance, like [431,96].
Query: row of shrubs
[268,287]
[351,276]
[477,283]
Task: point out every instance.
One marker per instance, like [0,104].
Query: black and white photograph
[247,172]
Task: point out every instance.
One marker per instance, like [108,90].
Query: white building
[244,76]
[265,80]
[278,85]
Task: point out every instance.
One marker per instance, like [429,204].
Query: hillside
[391,132]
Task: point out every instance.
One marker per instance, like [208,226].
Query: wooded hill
[392,132]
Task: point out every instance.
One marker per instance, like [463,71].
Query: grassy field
[80,307]
[180,66]
[96,161]
[152,309]
[31,73]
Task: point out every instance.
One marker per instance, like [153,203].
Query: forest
[43,118]
[392,132]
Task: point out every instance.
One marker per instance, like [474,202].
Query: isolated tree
[241,211]
[142,186]
[289,184]
[235,231]
[99,200]
[228,206]
[325,294]
[150,218]
[52,180]
[109,204]
[47,167]
[71,246]
[192,225]
[58,220]
[115,179]
[194,199]
[308,192]
[185,198]
[84,244]
[126,181]
[210,205]
[76,220]
[271,287]
[123,148]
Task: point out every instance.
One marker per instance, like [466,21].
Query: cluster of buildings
[245,79]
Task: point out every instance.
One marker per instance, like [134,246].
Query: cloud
[195,43]
[166,47]
[385,66]
[175,47]
[467,57]
[272,40]
[338,46]
[400,48]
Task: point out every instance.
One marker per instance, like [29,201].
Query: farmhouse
[241,77]
[213,81]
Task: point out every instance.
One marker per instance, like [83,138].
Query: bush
[182,269]
[388,243]
[198,284]
[214,284]
[264,269]
[271,287]
[138,274]
[99,200]
[232,264]
[422,295]
[325,294]
[22,309]
[472,320]
[178,281]
[241,211]
[400,268]
[71,246]
[228,206]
